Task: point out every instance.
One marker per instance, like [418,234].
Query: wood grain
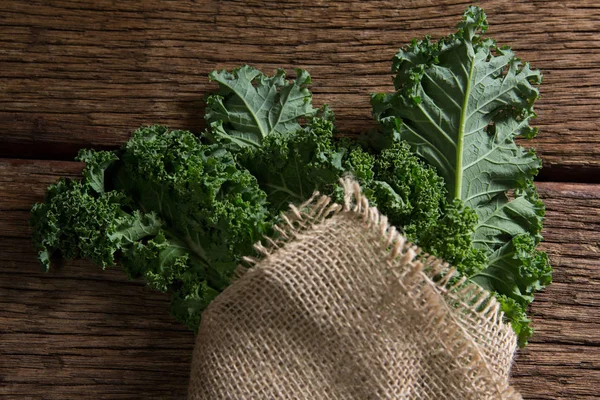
[79,332]
[563,359]
[76,74]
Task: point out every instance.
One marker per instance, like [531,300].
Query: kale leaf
[460,103]
[251,106]
[170,209]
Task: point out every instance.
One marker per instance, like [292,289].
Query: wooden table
[79,74]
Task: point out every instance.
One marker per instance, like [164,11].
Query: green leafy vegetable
[413,197]
[250,106]
[291,164]
[180,211]
[83,223]
[460,103]
[172,210]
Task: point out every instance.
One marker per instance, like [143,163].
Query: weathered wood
[79,332]
[76,74]
[563,359]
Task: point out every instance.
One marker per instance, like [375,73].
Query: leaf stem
[460,139]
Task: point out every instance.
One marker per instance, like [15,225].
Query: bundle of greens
[181,210]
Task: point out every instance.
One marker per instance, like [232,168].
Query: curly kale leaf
[413,197]
[291,166]
[516,270]
[78,222]
[515,313]
[417,189]
[460,103]
[170,209]
[208,202]
[251,106]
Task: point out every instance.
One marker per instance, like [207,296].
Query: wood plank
[79,331]
[563,359]
[74,75]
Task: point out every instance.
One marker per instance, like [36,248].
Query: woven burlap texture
[340,306]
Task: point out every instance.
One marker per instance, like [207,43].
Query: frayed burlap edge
[433,272]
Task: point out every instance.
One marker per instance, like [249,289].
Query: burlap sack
[341,307]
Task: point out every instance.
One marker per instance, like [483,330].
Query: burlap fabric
[341,307]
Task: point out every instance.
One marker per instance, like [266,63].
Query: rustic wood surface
[76,74]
